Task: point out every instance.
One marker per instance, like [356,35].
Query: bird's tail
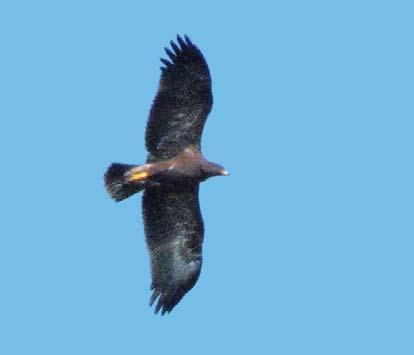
[124,180]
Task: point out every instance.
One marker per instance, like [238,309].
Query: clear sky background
[309,243]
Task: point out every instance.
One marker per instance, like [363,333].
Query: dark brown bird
[170,179]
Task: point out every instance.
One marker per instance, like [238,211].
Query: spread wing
[182,103]
[174,233]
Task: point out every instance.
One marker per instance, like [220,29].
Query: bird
[171,176]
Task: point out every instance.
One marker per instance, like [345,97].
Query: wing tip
[177,48]
[186,42]
[164,301]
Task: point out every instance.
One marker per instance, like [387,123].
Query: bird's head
[210,169]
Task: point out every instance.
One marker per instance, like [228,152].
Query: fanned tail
[118,182]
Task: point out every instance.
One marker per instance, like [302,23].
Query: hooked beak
[224,172]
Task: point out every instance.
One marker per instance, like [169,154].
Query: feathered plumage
[175,167]
[174,230]
[182,103]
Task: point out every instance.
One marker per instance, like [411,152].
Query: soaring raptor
[172,174]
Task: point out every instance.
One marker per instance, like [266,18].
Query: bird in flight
[172,174]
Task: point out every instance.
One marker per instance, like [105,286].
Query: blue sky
[309,243]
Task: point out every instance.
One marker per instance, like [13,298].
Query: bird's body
[189,166]
[170,179]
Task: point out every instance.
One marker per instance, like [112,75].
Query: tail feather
[116,182]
